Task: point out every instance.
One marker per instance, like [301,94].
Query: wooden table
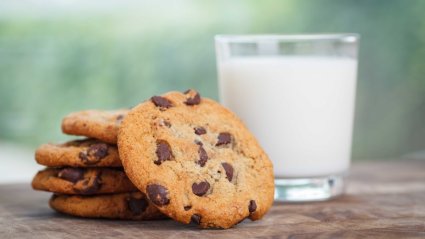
[385,199]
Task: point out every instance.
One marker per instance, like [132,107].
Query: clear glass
[296,94]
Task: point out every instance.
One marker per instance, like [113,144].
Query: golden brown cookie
[84,181]
[196,161]
[78,153]
[131,206]
[97,124]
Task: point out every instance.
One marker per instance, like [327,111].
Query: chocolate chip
[119,119]
[137,206]
[90,185]
[187,91]
[167,123]
[200,189]
[198,142]
[252,206]
[187,208]
[223,139]
[162,102]
[203,156]
[196,218]
[158,194]
[195,100]
[98,150]
[71,174]
[229,170]
[94,153]
[200,130]
[163,151]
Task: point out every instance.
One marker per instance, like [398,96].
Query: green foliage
[56,59]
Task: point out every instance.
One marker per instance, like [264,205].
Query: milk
[299,108]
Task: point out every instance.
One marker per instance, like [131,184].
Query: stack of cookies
[194,160]
[86,176]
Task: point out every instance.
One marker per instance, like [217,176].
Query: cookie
[97,124]
[132,206]
[78,153]
[84,181]
[196,161]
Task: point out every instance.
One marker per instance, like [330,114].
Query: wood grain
[383,200]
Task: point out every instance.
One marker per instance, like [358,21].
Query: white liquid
[299,108]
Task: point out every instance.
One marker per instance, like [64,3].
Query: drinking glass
[296,93]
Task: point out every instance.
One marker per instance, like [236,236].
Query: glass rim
[343,37]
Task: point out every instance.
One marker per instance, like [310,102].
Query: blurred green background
[63,56]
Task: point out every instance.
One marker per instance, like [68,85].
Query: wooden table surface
[385,199]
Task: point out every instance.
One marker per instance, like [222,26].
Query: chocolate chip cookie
[97,124]
[196,161]
[84,181]
[78,153]
[132,206]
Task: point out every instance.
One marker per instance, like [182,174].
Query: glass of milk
[296,94]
